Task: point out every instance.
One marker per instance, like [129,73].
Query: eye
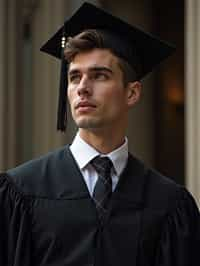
[75,78]
[100,76]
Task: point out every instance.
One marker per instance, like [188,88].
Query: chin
[87,123]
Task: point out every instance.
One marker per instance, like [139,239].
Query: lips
[85,104]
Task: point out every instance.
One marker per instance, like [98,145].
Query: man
[93,203]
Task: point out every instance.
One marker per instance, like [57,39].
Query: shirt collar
[119,157]
[84,153]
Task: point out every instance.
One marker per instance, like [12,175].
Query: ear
[133,92]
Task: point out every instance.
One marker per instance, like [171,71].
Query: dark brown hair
[91,39]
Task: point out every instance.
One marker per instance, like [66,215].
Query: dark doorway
[169,133]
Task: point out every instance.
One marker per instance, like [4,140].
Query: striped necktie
[103,188]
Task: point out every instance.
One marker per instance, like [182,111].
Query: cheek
[117,96]
[114,103]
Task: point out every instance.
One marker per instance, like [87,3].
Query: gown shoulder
[14,224]
[45,175]
[180,236]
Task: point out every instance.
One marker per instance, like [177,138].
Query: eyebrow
[91,69]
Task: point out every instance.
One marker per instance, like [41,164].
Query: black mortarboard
[127,39]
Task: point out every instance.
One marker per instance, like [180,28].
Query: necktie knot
[102,165]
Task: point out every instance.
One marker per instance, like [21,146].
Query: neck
[102,141]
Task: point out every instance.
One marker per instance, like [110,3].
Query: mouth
[85,106]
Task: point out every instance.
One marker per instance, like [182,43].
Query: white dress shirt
[83,154]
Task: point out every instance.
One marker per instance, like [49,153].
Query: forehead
[95,57]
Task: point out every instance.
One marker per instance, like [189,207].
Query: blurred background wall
[164,127]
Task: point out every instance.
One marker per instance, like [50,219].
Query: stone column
[2,81]
[192,97]
[10,82]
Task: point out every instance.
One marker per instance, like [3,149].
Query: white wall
[192,53]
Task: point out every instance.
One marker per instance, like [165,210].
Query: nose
[84,86]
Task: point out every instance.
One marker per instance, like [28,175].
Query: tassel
[62,100]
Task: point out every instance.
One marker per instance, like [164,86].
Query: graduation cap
[132,44]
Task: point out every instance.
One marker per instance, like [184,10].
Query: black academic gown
[47,218]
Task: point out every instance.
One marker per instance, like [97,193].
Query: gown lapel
[131,182]
[72,184]
[129,192]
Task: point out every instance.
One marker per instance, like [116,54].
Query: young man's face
[96,91]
